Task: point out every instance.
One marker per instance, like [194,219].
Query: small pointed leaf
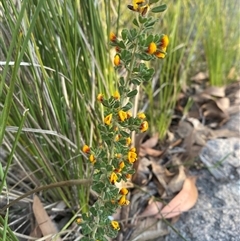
[159,8]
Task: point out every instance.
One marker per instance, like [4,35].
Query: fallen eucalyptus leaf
[183,201]
[44,222]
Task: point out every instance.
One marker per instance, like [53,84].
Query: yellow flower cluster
[159,51]
[86,149]
[122,116]
[137,6]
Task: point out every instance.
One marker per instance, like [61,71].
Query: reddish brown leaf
[151,142]
[176,183]
[153,208]
[44,222]
[152,152]
[183,201]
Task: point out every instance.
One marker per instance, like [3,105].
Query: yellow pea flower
[100,97]
[128,176]
[92,159]
[132,156]
[144,126]
[141,116]
[78,220]
[113,177]
[121,165]
[112,37]
[116,60]
[123,201]
[116,95]
[108,119]
[124,191]
[122,115]
[86,149]
[152,47]
[117,137]
[128,141]
[164,41]
[160,53]
[115,225]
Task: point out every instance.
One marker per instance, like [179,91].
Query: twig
[46,187]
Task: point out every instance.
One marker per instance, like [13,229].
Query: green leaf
[149,39]
[133,33]
[142,20]
[126,55]
[93,211]
[159,8]
[153,1]
[135,81]
[156,38]
[121,90]
[132,171]
[86,229]
[142,67]
[132,93]
[124,133]
[121,81]
[149,24]
[135,22]
[144,56]
[116,105]
[127,107]
[124,34]
[105,103]
[121,45]
[98,187]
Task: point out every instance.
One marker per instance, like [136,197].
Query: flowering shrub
[112,161]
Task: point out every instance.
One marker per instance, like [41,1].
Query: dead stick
[46,187]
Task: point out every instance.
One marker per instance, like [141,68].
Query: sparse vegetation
[55,58]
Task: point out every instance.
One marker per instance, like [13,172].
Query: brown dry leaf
[150,152]
[151,142]
[149,229]
[176,184]
[146,147]
[200,77]
[159,172]
[223,103]
[152,209]
[223,133]
[35,233]
[187,145]
[234,109]
[216,91]
[211,111]
[44,222]
[184,129]
[168,173]
[183,201]
[202,97]
[137,143]
[143,174]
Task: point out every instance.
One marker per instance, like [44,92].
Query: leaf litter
[162,188]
